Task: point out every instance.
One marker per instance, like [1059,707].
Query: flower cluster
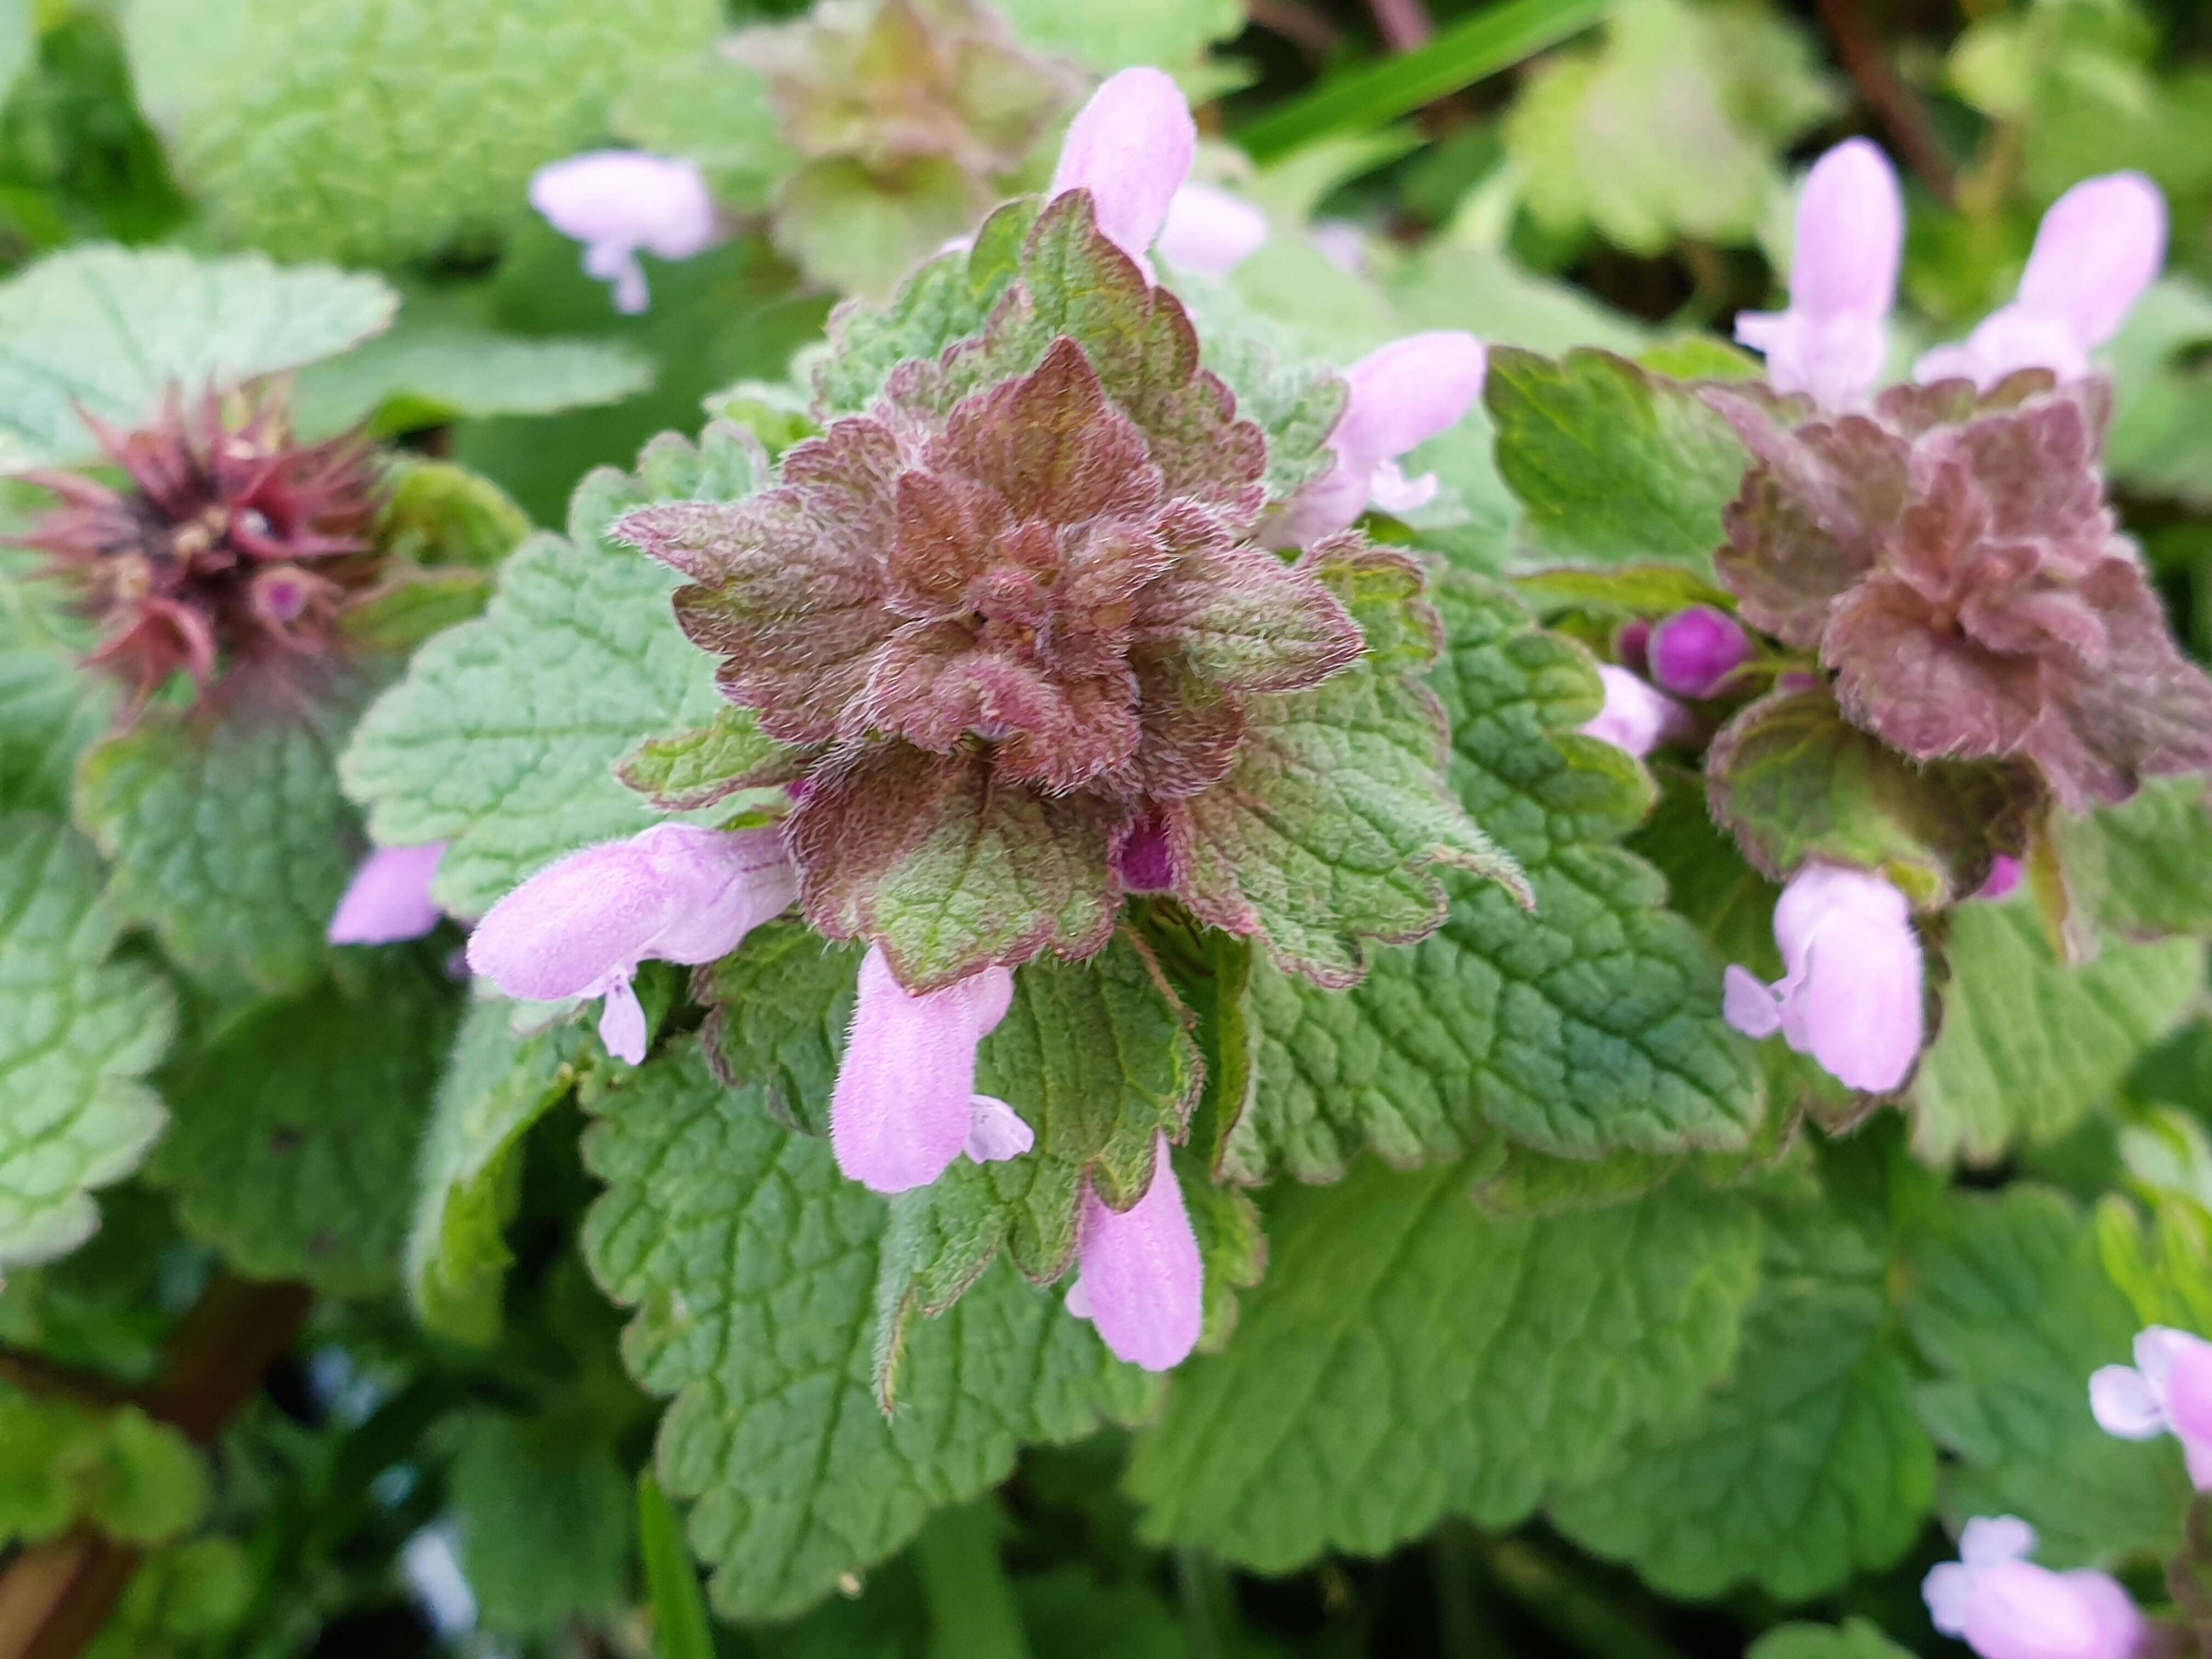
[231,549]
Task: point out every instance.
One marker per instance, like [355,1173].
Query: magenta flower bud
[618,201]
[2168,1390]
[2098,248]
[1139,1276]
[2005,872]
[905,1105]
[1209,232]
[1694,652]
[1145,860]
[581,927]
[1831,342]
[389,898]
[2004,1606]
[1131,147]
[1397,397]
[1851,996]
[1635,717]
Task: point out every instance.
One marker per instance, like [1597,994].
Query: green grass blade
[672,1582]
[1494,38]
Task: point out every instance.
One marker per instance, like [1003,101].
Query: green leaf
[753,1267]
[63,1463]
[2158,444]
[438,514]
[440,365]
[1793,781]
[328,128]
[1805,1466]
[1710,93]
[859,232]
[2012,1310]
[542,1510]
[716,112]
[1591,1023]
[1855,1638]
[77,1035]
[18,42]
[1407,1358]
[1170,35]
[710,764]
[680,1630]
[496,1084]
[2140,868]
[115,330]
[2027,1044]
[1612,464]
[502,739]
[778,1008]
[296,1130]
[229,836]
[51,709]
[1496,38]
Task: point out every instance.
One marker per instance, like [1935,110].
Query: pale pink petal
[2022,1611]
[2189,1394]
[1332,502]
[1949,1590]
[1131,147]
[1635,717]
[1851,235]
[1078,1298]
[2099,247]
[2159,1348]
[1402,394]
[389,898]
[903,1105]
[1343,244]
[995,1131]
[2005,341]
[622,1022]
[1141,1274]
[2196,1458]
[1987,1540]
[1209,231]
[1748,1004]
[2123,1404]
[726,884]
[573,927]
[1694,652]
[1851,997]
[618,201]
[1389,491]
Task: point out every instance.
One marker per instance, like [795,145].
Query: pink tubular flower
[1139,1276]
[581,927]
[2005,872]
[389,898]
[1850,997]
[1635,717]
[905,1105]
[2168,1390]
[1694,652]
[2097,250]
[1398,398]
[1831,342]
[2004,1606]
[618,201]
[1131,147]
[1209,232]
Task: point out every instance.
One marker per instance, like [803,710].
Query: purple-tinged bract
[1953,558]
[229,548]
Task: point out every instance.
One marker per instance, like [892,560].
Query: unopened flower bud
[1139,1277]
[1694,652]
[389,899]
[1131,147]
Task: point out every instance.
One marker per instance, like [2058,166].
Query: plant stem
[971,1604]
[1902,117]
[1207,1609]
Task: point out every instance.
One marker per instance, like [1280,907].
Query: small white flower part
[618,203]
[1209,231]
[2168,1390]
[995,1131]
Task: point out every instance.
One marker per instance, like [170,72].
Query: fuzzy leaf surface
[114,329]
[1805,1466]
[542,1510]
[1407,1358]
[296,1131]
[753,1267]
[328,128]
[2013,1310]
[1171,34]
[230,839]
[502,739]
[2029,1045]
[495,1085]
[1612,464]
[1591,1024]
[78,1033]
[2140,868]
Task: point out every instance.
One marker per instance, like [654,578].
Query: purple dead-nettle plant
[229,551]
[620,203]
[2168,1390]
[1016,645]
[389,898]
[2003,1605]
